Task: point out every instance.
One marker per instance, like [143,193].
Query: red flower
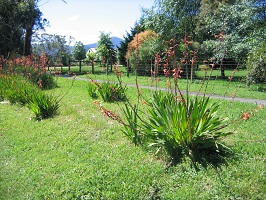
[245,116]
[177,72]
[166,72]
[260,107]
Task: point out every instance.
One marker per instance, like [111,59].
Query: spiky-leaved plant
[183,126]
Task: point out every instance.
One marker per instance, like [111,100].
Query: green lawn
[215,86]
[79,154]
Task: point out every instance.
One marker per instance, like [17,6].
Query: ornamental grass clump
[16,89]
[109,92]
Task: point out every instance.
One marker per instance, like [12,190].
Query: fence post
[127,69]
[80,66]
[92,66]
[107,67]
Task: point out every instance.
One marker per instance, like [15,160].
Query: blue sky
[84,19]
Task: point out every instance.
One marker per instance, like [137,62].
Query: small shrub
[32,68]
[46,81]
[256,65]
[18,89]
[109,92]
[112,92]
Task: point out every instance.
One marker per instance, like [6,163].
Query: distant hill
[115,40]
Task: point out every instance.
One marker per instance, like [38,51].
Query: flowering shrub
[178,126]
[21,81]
[16,89]
[33,68]
[175,122]
[109,92]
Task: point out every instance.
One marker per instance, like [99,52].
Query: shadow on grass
[203,158]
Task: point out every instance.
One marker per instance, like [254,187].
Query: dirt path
[243,100]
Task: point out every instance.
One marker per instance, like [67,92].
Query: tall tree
[208,8]
[238,26]
[242,25]
[11,31]
[105,48]
[18,20]
[31,18]
[79,52]
[172,18]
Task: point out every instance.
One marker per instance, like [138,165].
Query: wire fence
[144,68]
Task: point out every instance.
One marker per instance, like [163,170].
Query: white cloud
[73,18]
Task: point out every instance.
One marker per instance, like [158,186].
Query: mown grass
[217,86]
[79,154]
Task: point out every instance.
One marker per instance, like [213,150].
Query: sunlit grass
[80,154]
[215,86]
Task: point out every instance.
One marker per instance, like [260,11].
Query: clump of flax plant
[174,121]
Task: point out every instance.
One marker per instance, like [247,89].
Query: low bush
[256,65]
[44,81]
[110,92]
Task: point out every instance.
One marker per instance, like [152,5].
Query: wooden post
[127,69]
[80,66]
[92,66]
[107,67]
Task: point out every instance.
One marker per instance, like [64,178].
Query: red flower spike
[245,116]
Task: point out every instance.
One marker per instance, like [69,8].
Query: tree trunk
[222,72]
[27,41]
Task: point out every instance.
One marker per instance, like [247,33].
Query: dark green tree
[79,52]
[18,21]
[11,33]
[105,48]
